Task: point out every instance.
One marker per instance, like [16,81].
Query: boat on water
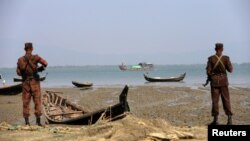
[59,110]
[165,79]
[11,89]
[79,84]
[140,66]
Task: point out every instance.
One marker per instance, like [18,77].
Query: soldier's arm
[42,61]
[18,70]
[229,65]
[209,68]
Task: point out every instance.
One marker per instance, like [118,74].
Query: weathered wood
[75,112]
[69,113]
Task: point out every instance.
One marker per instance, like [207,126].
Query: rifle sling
[30,64]
[219,62]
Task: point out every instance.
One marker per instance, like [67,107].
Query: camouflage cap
[27,46]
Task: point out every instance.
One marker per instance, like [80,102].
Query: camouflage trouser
[31,89]
[224,93]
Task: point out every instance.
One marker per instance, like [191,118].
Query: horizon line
[127,64]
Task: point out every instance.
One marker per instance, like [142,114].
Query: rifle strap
[28,63]
[219,61]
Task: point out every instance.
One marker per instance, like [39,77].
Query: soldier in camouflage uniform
[27,67]
[217,67]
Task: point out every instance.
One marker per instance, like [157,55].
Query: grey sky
[103,32]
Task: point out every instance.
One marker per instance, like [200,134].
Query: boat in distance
[140,66]
[58,110]
[165,79]
[11,89]
[80,84]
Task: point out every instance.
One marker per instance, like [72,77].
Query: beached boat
[79,84]
[162,79]
[59,110]
[140,66]
[19,79]
[11,89]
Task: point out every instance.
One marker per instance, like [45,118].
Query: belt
[220,74]
[29,78]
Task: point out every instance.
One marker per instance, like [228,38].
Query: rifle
[35,71]
[209,77]
[18,79]
[207,81]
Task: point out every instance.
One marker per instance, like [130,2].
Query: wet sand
[173,107]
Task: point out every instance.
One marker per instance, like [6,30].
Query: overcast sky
[108,32]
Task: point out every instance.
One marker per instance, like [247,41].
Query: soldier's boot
[215,121]
[27,121]
[38,121]
[229,120]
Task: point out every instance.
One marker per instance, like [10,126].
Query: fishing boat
[140,66]
[165,79]
[79,84]
[59,110]
[19,79]
[11,89]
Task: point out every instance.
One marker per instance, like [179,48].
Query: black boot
[27,121]
[215,121]
[38,121]
[229,120]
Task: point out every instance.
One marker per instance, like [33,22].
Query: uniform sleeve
[18,70]
[41,60]
[229,65]
[209,67]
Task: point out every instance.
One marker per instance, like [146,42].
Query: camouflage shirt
[27,65]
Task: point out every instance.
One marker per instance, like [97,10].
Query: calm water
[111,75]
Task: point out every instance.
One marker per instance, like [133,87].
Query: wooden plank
[75,112]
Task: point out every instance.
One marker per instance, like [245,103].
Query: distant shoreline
[112,75]
[108,65]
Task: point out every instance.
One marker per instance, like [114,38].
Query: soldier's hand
[40,69]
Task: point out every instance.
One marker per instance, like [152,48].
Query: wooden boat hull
[79,115]
[78,84]
[11,90]
[160,79]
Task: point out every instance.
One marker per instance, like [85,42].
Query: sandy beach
[172,112]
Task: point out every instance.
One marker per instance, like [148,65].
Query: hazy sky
[108,32]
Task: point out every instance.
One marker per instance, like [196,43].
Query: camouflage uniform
[219,82]
[27,68]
